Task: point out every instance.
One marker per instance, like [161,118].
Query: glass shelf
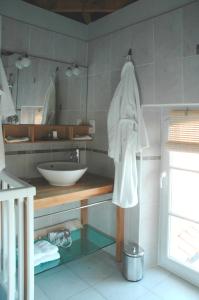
[85,241]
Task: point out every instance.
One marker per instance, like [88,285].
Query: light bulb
[18,64]
[69,72]
[76,70]
[26,62]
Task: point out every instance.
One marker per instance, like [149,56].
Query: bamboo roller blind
[183,132]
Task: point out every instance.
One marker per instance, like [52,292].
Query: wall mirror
[45,91]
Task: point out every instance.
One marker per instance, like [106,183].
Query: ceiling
[85,11]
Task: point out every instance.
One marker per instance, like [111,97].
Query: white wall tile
[64,47]
[152,120]
[131,228]
[150,182]
[99,55]
[168,35]
[99,163]
[40,42]
[146,83]
[169,81]
[91,94]
[191,79]
[115,79]
[16,164]
[149,210]
[120,44]
[108,224]
[191,28]
[69,116]
[100,140]
[33,161]
[81,52]
[150,257]
[149,225]
[142,36]
[15,35]
[99,92]
[168,53]
[102,91]
[73,94]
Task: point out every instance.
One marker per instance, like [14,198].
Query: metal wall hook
[129,56]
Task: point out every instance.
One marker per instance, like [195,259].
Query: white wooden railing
[16,237]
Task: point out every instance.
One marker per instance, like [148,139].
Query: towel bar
[75,208]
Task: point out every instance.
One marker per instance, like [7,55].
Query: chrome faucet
[75,155]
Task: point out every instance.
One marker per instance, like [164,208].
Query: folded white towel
[44,252]
[44,248]
[45,259]
[11,139]
[82,138]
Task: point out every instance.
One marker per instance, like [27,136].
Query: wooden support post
[84,221]
[84,212]
[119,233]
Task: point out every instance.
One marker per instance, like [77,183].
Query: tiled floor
[98,277]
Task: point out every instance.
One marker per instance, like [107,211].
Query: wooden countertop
[88,186]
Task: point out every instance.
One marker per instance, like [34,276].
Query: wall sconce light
[23,62]
[18,64]
[74,70]
[69,72]
[26,62]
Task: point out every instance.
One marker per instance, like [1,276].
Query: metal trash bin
[133,262]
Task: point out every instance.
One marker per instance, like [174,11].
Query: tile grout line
[105,152]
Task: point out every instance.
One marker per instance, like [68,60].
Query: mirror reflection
[44,89]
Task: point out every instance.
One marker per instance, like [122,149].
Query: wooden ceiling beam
[79,6]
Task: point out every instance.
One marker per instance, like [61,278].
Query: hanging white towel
[127,136]
[49,104]
[6,109]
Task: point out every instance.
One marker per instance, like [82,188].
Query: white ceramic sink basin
[61,173]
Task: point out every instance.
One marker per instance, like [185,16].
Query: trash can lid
[133,249]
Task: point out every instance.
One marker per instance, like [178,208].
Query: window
[179,220]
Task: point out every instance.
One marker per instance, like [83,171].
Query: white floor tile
[94,268]
[52,271]
[174,288]
[39,295]
[154,276]
[150,296]
[60,285]
[117,288]
[98,277]
[89,294]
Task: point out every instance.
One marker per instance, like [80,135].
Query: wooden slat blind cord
[183,133]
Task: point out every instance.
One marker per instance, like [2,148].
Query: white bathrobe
[50,104]
[127,136]
[6,109]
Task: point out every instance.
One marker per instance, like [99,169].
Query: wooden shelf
[40,133]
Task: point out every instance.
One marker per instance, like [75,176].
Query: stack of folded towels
[45,252]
